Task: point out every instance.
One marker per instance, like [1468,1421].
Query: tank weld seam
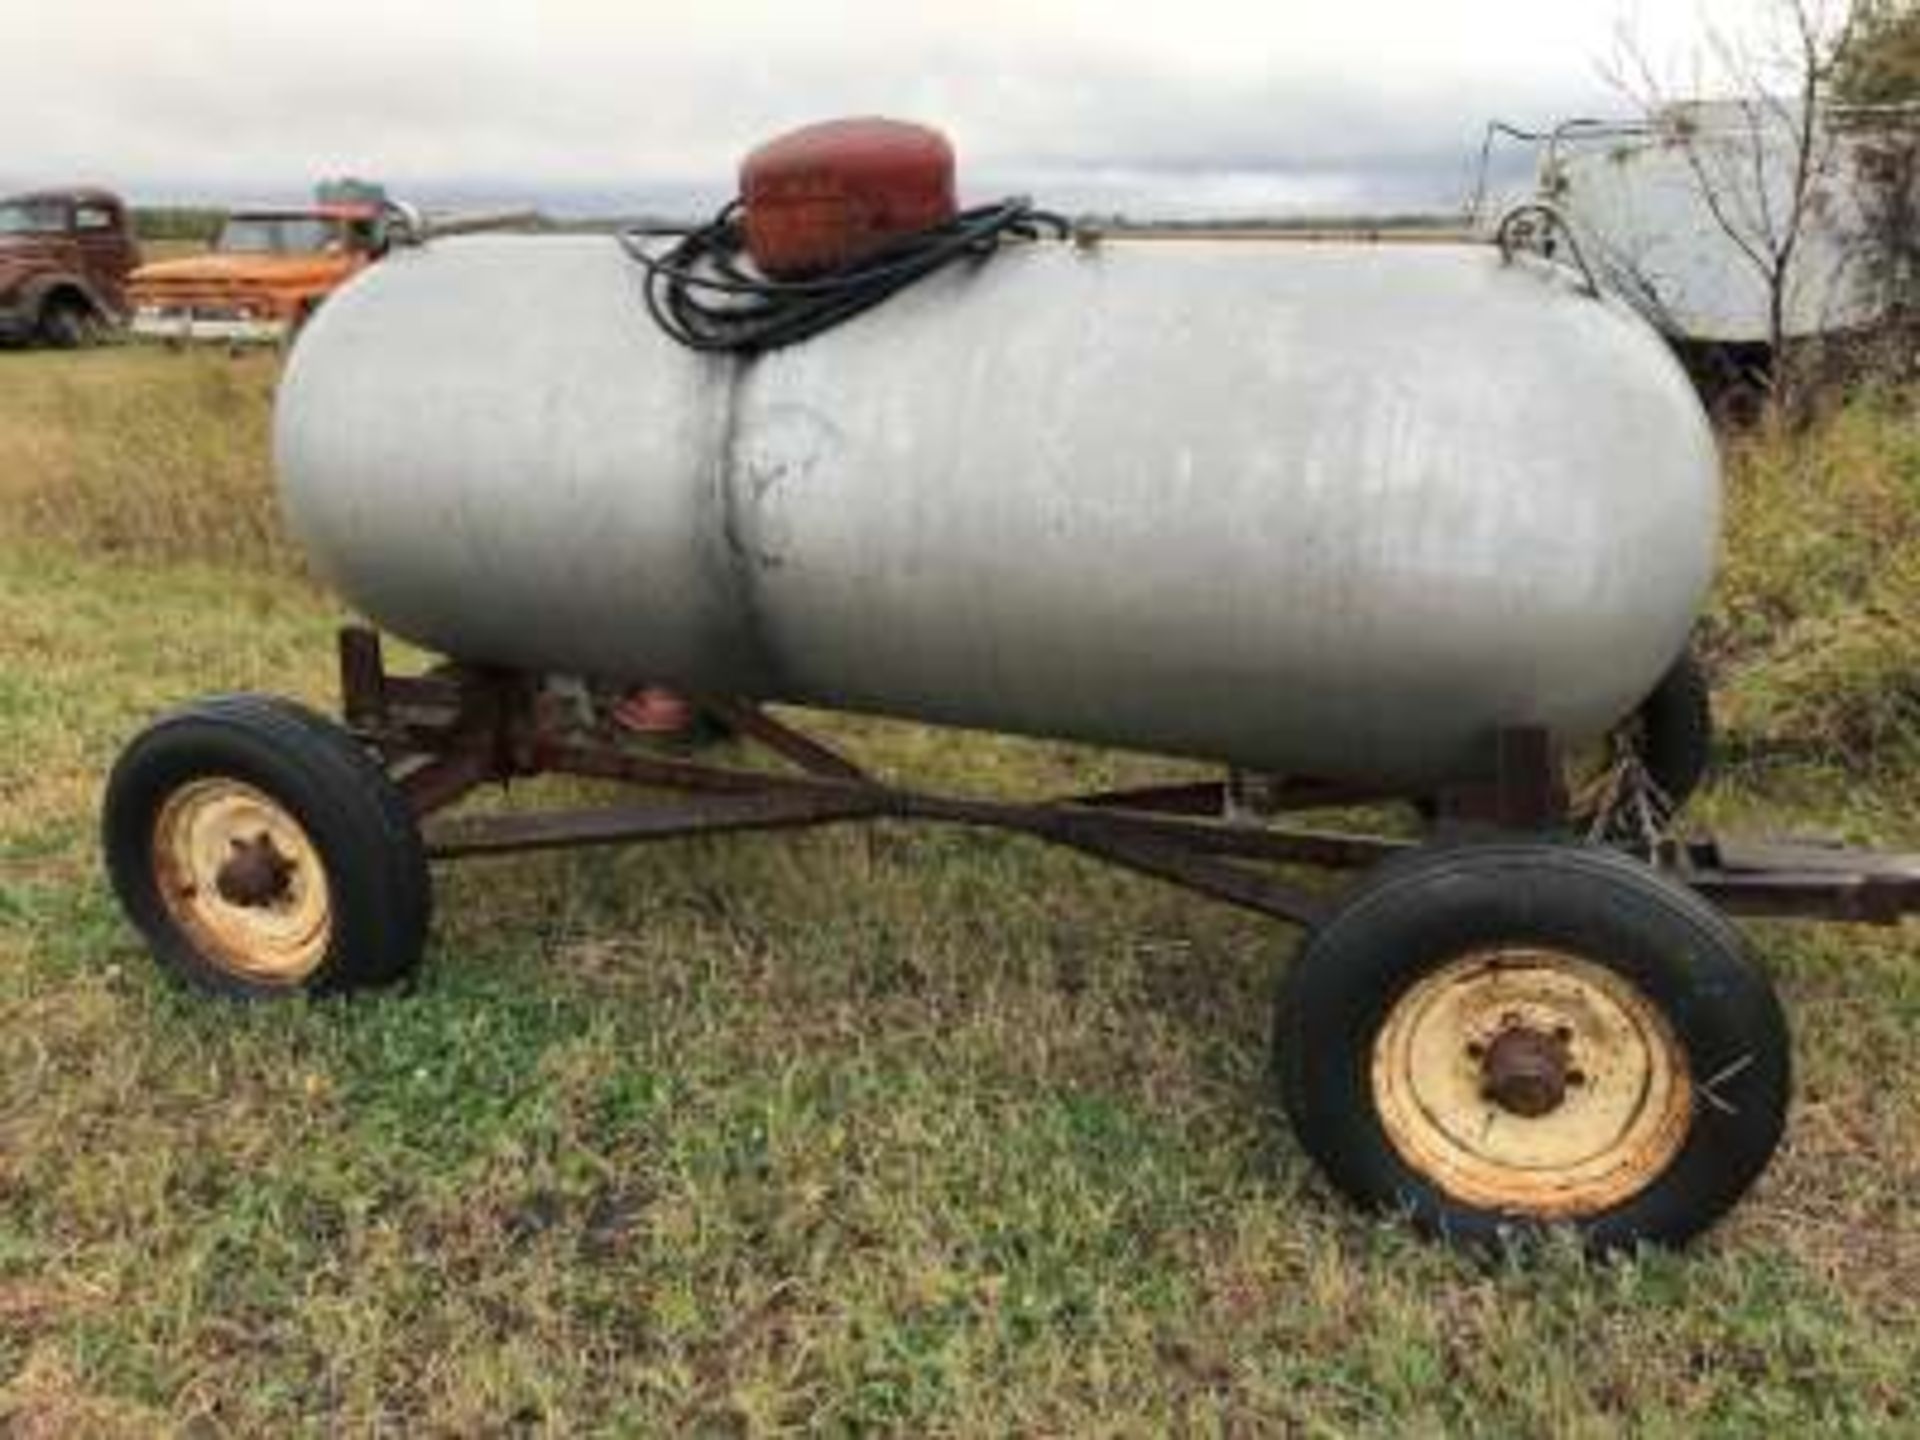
[741,561]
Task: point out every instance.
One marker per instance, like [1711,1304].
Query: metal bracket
[1527,791]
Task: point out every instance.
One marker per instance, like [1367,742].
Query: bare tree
[1759,178]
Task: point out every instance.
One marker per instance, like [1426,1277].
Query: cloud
[1232,102]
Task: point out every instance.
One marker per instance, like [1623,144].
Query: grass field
[920,1132]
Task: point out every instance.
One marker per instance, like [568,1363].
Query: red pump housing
[832,194]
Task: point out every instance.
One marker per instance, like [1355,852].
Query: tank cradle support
[457,729]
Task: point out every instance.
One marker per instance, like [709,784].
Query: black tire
[357,825]
[66,324]
[1673,730]
[1427,916]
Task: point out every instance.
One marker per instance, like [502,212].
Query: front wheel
[67,325]
[1497,1039]
[263,852]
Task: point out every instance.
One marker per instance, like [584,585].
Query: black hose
[704,294]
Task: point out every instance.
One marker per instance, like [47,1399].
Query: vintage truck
[269,270]
[64,260]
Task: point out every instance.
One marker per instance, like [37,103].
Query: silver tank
[1325,509]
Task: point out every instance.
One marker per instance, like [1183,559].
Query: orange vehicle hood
[271,271]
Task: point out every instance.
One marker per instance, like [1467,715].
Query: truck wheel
[1498,1039]
[263,852]
[66,325]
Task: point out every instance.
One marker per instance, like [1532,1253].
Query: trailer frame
[456,729]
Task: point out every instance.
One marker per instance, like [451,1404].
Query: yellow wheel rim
[1531,1081]
[243,880]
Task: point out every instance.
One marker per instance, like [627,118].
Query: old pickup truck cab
[269,269]
[64,260]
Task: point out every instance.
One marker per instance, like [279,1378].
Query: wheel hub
[241,877]
[1526,1071]
[256,874]
[1531,1081]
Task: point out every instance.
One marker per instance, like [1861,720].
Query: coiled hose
[703,291]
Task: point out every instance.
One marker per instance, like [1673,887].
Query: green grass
[136,450]
[911,1131]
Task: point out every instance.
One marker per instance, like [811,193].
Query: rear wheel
[263,852]
[1502,1038]
[1669,739]
[67,324]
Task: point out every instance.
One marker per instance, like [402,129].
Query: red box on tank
[831,194]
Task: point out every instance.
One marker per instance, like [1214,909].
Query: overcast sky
[1178,107]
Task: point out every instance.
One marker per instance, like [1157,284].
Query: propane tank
[827,195]
[1327,509]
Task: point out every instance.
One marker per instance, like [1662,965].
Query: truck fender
[38,290]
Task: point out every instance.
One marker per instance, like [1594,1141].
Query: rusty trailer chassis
[1536,1014]
[454,730]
